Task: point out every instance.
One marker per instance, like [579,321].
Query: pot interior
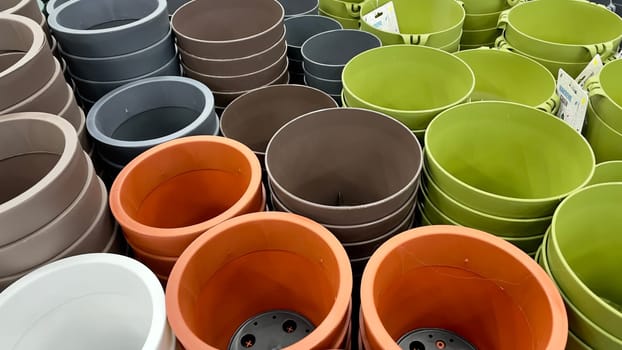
[610,82]
[607,172]
[8,4]
[104,14]
[421,17]
[9,58]
[19,173]
[15,37]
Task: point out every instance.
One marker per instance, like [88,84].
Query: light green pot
[605,141]
[434,23]
[437,217]
[607,172]
[574,343]
[584,330]
[584,255]
[480,21]
[419,82]
[346,23]
[506,76]
[344,9]
[472,218]
[487,6]
[605,91]
[453,47]
[562,30]
[482,36]
[506,159]
[464,47]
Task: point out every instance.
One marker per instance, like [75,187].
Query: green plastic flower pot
[476,46]
[419,83]
[606,94]
[345,9]
[434,23]
[506,76]
[474,21]
[506,159]
[436,217]
[480,36]
[605,141]
[574,343]
[487,6]
[346,23]
[584,254]
[607,172]
[581,326]
[562,30]
[453,47]
[489,223]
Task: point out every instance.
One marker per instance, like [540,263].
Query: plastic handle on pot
[460,3]
[593,87]
[503,21]
[551,105]
[415,39]
[354,10]
[513,3]
[503,45]
[604,50]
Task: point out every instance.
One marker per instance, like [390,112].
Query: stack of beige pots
[110,43]
[52,204]
[480,23]
[31,79]
[232,46]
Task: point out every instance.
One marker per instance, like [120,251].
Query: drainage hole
[451,340]
[440,344]
[289,326]
[307,331]
[416,345]
[255,323]
[274,317]
[248,341]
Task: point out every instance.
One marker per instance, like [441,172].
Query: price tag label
[383,18]
[573,101]
[592,69]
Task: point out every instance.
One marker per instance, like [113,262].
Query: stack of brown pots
[170,194]
[232,46]
[31,79]
[52,205]
[110,43]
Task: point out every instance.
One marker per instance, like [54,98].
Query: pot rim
[283,74]
[480,192]
[344,19]
[601,121]
[333,320]
[305,58]
[71,101]
[323,18]
[392,232]
[407,187]
[617,164]
[606,68]
[538,59]
[305,73]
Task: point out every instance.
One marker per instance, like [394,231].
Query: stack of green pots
[345,12]
[564,34]
[581,253]
[434,23]
[418,84]
[603,128]
[480,24]
[502,168]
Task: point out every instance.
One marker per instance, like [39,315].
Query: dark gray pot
[301,28]
[331,87]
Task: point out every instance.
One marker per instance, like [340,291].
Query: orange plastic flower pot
[167,196]
[257,263]
[464,281]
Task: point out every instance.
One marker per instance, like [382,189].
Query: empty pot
[326,54]
[222,285]
[488,173]
[300,28]
[295,8]
[607,172]
[343,166]
[605,141]
[606,94]
[137,116]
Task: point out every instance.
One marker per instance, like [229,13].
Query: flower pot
[434,23]
[528,141]
[123,298]
[526,82]
[606,96]
[41,174]
[34,69]
[300,28]
[224,98]
[204,28]
[257,115]
[108,28]
[168,195]
[294,8]
[346,22]
[479,36]
[477,21]
[326,54]
[607,172]
[241,82]
[339,8]
[94,90]
[498,296]
[236,66]
[260,275]
[441,80]
[587,282]
[452,47]
[140,115]
[331,87]
[343,189]
[487,6]
[605,140]
[126,66]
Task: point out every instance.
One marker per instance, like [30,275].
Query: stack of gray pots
[298,30]
[232,46]
[352,170]
[295,8]
[137,116]
[324,56]
[52,204]
[109,43]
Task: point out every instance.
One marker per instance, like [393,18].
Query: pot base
[433,338]
[271,330]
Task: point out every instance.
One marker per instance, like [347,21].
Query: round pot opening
[108,14]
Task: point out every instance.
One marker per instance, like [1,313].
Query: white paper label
[573,101]
[593,68]
[383,18]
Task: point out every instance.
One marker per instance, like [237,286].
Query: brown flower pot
[224,98]
[257,263]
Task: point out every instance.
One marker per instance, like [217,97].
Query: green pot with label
[419,83]
[605,140]
[562,30]
[346,22]
[434,23]
[605,92]
[606,172]
[506,76]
